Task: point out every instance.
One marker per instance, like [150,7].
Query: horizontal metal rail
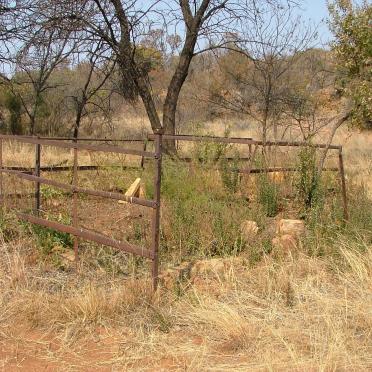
[273,170]
[80,146]
[64,168]
[248,141]
[84,139]
[188,159]
[81,190]
[89,235]
[190,138]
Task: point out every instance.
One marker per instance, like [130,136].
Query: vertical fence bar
[156,211]
[2,199]
[343,184]
[37,173]
[144,149]
[75,204]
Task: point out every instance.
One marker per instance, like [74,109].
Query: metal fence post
[156,210]
[37,174]
[75,202]
[143,157]
[1,174]
[343,184]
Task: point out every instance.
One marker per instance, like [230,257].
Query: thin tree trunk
[174,89]
[79,115]
[338,123]
[32,125]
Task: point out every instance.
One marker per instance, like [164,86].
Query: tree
[351,27]
[14,105]
[88,93]
[35,62]
[310,81]
[259,65]
[125,26]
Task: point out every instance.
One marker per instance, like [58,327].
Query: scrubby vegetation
[235,291]
[260,299]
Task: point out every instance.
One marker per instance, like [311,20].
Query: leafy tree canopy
[352,27]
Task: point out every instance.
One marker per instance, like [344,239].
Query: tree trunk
[32,125]
[34,113]
[338,123]
[136,79]
[79,115]
[174,89]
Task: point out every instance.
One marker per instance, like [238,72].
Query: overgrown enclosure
[207,191]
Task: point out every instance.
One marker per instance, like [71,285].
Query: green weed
[48,239]
[268,195]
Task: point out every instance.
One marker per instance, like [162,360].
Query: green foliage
[49,238]
[9,227]
[268,195]
[351,26]
[14,105]
[327,231]
[211,152]
[360,209]
[49,192]
[148,58]
[202,219]
[308,182]
[229,173]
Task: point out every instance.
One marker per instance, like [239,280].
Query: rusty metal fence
[74,229]
[253,146]
[152,253]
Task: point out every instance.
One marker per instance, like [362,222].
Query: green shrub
[49,192]
[202,219]
[308,182]
[14,105]
[210,152]
[229,174]
[267,195]
[49,238]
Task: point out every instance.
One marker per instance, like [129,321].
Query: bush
[13,104]
[229,174]
[49,238]
[268,195]
[200,219]
[308,182]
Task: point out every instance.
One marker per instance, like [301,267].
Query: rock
[248,229]
[191,272]
[284,245]
[213,266]
[170,277]
[295,228]
[68,255]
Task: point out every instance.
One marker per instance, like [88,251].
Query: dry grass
[23,155]
[357,147]
[302,314]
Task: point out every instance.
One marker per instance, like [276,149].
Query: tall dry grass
[308,313]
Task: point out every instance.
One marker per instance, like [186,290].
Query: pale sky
[316,11]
